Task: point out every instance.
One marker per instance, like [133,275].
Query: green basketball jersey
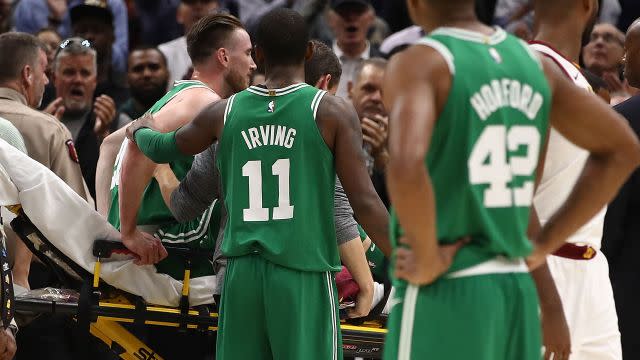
[153,210]
[278,179]
[485,144]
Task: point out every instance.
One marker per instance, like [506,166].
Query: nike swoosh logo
[576,77]
[372,247]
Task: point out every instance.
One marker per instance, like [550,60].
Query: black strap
[7,297]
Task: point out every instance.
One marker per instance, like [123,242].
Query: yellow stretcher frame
[107,315]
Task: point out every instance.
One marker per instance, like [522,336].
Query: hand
[613,82]
[105,110]
[410,268]
[57,8]
[162,170]
[7,345]
[363,302]
[375,132]
[537,258]
[144,122]
[555,334]
[55,108]
[147,247]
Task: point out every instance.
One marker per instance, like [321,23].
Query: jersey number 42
[489,164]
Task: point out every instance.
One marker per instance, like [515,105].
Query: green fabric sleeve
[159,147]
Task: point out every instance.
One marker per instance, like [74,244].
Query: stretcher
[101,288]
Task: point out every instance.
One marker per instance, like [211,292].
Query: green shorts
[272,312]
[483,317]
[200,233]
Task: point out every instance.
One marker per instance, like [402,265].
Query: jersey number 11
[253,170]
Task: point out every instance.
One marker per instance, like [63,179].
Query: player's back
[277,177]
[486,142]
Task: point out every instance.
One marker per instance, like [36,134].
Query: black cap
[97,9]
[337,3]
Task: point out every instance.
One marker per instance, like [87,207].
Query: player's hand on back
[148,248]
[408,267]
[146,121]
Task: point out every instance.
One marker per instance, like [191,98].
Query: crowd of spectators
[108,61]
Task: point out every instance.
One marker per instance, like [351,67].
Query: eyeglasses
[73,42]
[608,38]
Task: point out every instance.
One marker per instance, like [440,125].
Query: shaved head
[631,54]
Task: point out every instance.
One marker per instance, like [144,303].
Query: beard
[148,97]
[236,81]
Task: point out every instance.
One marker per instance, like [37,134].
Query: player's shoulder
[423,60]
[333,106]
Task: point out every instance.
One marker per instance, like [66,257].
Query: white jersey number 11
[255,212]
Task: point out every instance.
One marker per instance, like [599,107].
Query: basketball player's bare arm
[417,83]
[137,170]
[340,127]
[104,169]
[353,257]
[614,153]
[555,330]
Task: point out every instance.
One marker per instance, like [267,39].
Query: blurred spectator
[400,40]
[175,51]
[32,16]
[515,16]
[5,15]
[93,21]
[88,120]
[609,11]
[365,93]
[154,22]
[50,39]
[147,78]
[350,21]
[603,57]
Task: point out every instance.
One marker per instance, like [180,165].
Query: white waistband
[497,265]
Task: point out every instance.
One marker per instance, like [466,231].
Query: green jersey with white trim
[486,143]
[153,210]
[278,179]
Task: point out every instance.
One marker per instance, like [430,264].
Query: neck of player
[462,17]
[565,37]
[278,77]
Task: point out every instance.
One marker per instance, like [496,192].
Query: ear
[309,52]
[223,57]
[323,82]
[27,75]
[350,89]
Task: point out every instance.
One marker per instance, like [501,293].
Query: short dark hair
[378,62]
[17,49]
[147,48]
[283,36]
[323,61]
[209,34]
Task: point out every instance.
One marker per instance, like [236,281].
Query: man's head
[350,21]
[323,69]
[219,42]
[50,39]
[365,91]
[24,69]
[282,39]
[147,75]
[190,11]
[93,20]
[605,49]
[74,74]
[632,54]
[584,13]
